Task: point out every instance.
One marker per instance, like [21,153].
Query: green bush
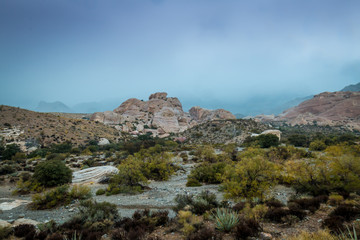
[52,173]
[317,145]
[191,182]
[268,140]
[298,140]
[59,196]
[208,173]
[51,198]
[91,211]
[10,151]
[100,192]
[251,177]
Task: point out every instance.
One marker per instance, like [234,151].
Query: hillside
[24,126]
[352,88]
[328,108]
[223,131]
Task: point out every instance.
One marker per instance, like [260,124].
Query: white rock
[103,141]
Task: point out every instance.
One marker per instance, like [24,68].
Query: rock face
[328,108]
[160,115]
[203,115]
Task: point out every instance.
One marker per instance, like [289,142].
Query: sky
[230,54]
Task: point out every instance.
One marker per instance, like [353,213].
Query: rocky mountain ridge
[160,116]
[328,108]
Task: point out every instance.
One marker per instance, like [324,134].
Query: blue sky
[205,52]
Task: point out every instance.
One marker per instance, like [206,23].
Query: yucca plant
[348,235]
[225,219]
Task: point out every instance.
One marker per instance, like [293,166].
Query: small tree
[250,178]
[268,140]
[52,173]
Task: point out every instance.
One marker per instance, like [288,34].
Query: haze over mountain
[244,56]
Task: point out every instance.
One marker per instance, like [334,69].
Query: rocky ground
[160,196]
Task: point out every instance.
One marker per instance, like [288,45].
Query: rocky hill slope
[222,131]
[352,88]
[160,115]
[328,108]
[26,127]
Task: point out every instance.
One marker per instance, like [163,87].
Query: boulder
[103,141]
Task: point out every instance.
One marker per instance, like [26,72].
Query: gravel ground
[160,196]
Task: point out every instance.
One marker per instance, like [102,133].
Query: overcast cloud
[205,52]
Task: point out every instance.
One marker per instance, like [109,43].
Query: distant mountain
[239,115]
[52,107]
[352,88]
[328,108]
[290,104]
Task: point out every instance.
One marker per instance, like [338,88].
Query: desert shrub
[100,192]
[26,187]
[256,212]
[298,140]
[239,206]
[208,172]
[188,222]
[295,210]
[56,156]
[247,228]
[7,169]
[5,232]
[206,153]
[319,235]
[23,230]
[250,178]
[10,151]
[274,203]
[334,223]
[128,180]
[51,198]
[61,148]
[268,140]
[184,156]
[204,233]
[335,199]
[317,145]
[80,192]
[311,204]
[55,236]
[183,200]
[203,202]
[142,222]
[199,204]
[59,196]
[225,219]
[348,212]
[193,183]
[52,173]
[276,214]
[312,176]
[91,211]
[283,153]
[156,166]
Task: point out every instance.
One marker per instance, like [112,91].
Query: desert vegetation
[322,171]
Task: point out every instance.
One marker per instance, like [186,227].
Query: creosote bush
[59,196]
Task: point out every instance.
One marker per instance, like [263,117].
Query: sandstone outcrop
[160,115]
[328,108]
[203,115]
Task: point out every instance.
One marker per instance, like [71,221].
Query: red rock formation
[328,108]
